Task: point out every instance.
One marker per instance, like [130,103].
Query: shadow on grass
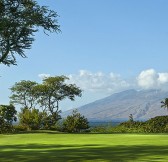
[63,153]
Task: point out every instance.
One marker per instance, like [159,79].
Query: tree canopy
[23,93]
[75,122]
[7,117]
[55,89]
[8,113]
[19,21]
[45,96]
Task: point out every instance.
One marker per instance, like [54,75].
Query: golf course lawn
[52,147]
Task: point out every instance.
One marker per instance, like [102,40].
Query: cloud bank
[98,82]
[110,83]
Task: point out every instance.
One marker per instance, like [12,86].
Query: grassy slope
[49,147]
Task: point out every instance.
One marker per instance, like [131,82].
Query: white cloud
[163,78]
[151,79]
[147,78]
[98,82]
[106,84]
[42,76]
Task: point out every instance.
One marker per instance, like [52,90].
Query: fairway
[50,147]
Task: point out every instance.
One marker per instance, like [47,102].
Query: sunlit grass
[50,147]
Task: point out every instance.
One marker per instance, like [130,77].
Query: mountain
[142,105]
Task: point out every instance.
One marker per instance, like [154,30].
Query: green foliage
[130,124]
[5,127]
[99,129]
[159,124]
[47,96]
[125,127]
[75,122]
[165,103]
[20,20]
[8,112]
[53,90]
[49,121]
[7,116]
[24,94]
[131,119]
[31,119]
[19,128]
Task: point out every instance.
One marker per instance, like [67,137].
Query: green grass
[50,147]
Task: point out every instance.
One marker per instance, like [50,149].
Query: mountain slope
[143,105]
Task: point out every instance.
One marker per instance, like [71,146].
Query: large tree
[47,95]
[23,94]
[19,21]
[55,89]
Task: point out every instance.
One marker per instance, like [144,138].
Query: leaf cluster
[19,21]
[7,116]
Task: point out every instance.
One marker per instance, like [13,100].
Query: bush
[31,119]
[75,123]
[5,127]
[98,129]
[132,124]
[19,128]
[7,116]
[158,124]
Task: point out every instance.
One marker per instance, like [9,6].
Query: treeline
[40,106]
[33,119]
[158,124]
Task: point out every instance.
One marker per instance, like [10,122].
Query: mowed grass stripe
[50,147]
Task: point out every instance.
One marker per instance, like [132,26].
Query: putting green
[51,147]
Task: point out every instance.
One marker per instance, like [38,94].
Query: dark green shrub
[75,123]
[30,118]
[135,125]
[7,116]
[98,129]
[158,124]
[5,127]
[19,128]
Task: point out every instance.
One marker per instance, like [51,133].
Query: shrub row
[157,124]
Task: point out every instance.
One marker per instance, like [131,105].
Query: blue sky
[105,46]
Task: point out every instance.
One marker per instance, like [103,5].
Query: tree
[23,94]
[165,103]
[7,116]
[75,122]
[30,118]
[47,95]
[53,90]
[8,113]
[19,21]
[131,119]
